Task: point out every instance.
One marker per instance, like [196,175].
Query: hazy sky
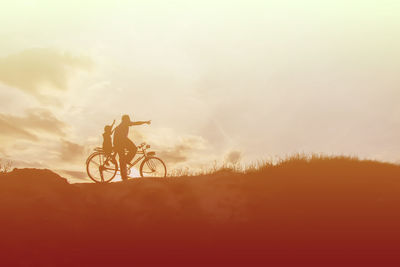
[264,78]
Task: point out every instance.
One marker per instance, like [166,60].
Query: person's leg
[122,164]
[132,149]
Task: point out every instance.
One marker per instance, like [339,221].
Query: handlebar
[143,145]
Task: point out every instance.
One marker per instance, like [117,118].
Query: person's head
[125,119]
[107,129]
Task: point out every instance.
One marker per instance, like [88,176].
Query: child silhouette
[107,141]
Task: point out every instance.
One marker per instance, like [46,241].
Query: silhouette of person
[122,143]
[107,143]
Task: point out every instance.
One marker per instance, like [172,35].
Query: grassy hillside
[303,211]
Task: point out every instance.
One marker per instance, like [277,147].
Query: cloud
[181,151]
[72,152]
[30,126]
[80,175]
[10,130]
[233,157]
[40,68]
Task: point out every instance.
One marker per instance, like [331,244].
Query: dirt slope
[319,213]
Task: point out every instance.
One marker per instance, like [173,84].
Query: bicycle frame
[137,160]
[130,164]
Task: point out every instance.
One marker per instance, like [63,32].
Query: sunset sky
[263,79]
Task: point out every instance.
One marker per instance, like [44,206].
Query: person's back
[121,134]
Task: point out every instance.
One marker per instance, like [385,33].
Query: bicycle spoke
[153,167]
[97,164]
[98,171]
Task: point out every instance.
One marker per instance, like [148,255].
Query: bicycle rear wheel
[153,167]
[101,168]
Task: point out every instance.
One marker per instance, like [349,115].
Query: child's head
[107,129]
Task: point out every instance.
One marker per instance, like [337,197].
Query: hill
[301,212]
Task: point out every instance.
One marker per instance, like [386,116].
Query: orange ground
[323,212]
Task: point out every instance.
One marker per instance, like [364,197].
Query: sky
[220,80]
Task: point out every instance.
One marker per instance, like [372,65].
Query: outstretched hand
[148,122]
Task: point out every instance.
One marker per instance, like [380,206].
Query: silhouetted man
[122,143]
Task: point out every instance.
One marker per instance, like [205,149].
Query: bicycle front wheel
[153,167]
[101,168]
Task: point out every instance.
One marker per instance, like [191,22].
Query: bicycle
[102,167]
